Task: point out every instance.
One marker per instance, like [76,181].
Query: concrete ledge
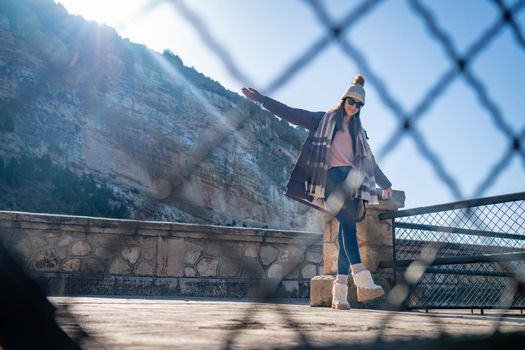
[83,224]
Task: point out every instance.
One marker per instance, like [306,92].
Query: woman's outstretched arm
[300,117]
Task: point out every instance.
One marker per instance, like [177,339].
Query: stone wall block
[375,239]
[93,265]
[207,267]
[81,248]
[292,254]
[46,260]
[230,268]
[321,290]
[65,240]
[330,231]
[144,268]
[152,232]
[234,250]
[277,240]
[189,272]
[70,228]
[116,231]
[111,242]
[39,226]
[194,250]
[198,242]
[149,249]
[314,257]
[294,273]
[161,266]
[275,271]
[176,253]
[251,267]
[119,266]
[52,236]
[330,251]
[192,256]
[291,287]
[215,248]
[7,222]
[308,271]
[371,255]
[171,253]
[71,265]
[131,254]
[103,253]
[268,254]
[252,250]
[63,252]
[330,246]
[374,230]
[201,236]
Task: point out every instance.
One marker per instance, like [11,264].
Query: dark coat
[296,187]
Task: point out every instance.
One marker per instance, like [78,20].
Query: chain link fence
[480,219]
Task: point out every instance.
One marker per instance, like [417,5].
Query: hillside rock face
[171,143]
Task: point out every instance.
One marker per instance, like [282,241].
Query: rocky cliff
[166,141]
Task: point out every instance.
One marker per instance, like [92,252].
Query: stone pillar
[375,244]
[374,236]
[330,247]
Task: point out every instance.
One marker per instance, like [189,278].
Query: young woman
[336,172]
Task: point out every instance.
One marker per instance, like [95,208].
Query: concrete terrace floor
[119,323]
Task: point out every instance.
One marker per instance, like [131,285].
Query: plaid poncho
[318,167]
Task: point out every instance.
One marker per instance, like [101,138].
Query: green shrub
[36,184]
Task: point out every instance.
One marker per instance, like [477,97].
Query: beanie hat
[356,90]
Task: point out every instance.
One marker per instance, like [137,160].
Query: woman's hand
[252,94]
[387,193]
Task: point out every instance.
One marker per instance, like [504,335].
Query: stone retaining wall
[82,255]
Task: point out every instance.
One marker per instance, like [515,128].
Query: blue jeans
[348,252]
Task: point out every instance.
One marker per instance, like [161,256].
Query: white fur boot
[366,288]
[340,297]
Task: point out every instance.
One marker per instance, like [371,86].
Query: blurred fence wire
[407,119]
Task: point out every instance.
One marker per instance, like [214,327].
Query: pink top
[341,151]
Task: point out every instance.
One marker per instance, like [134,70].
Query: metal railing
[475,251]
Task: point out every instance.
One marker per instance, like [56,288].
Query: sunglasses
[352,102]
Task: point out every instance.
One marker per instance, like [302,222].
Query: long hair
[354,124]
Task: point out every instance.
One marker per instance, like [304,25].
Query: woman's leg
[348,251]
[343,262]
[366,288]
[348,234]
[340,287]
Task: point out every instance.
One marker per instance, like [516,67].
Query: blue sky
[264,37]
